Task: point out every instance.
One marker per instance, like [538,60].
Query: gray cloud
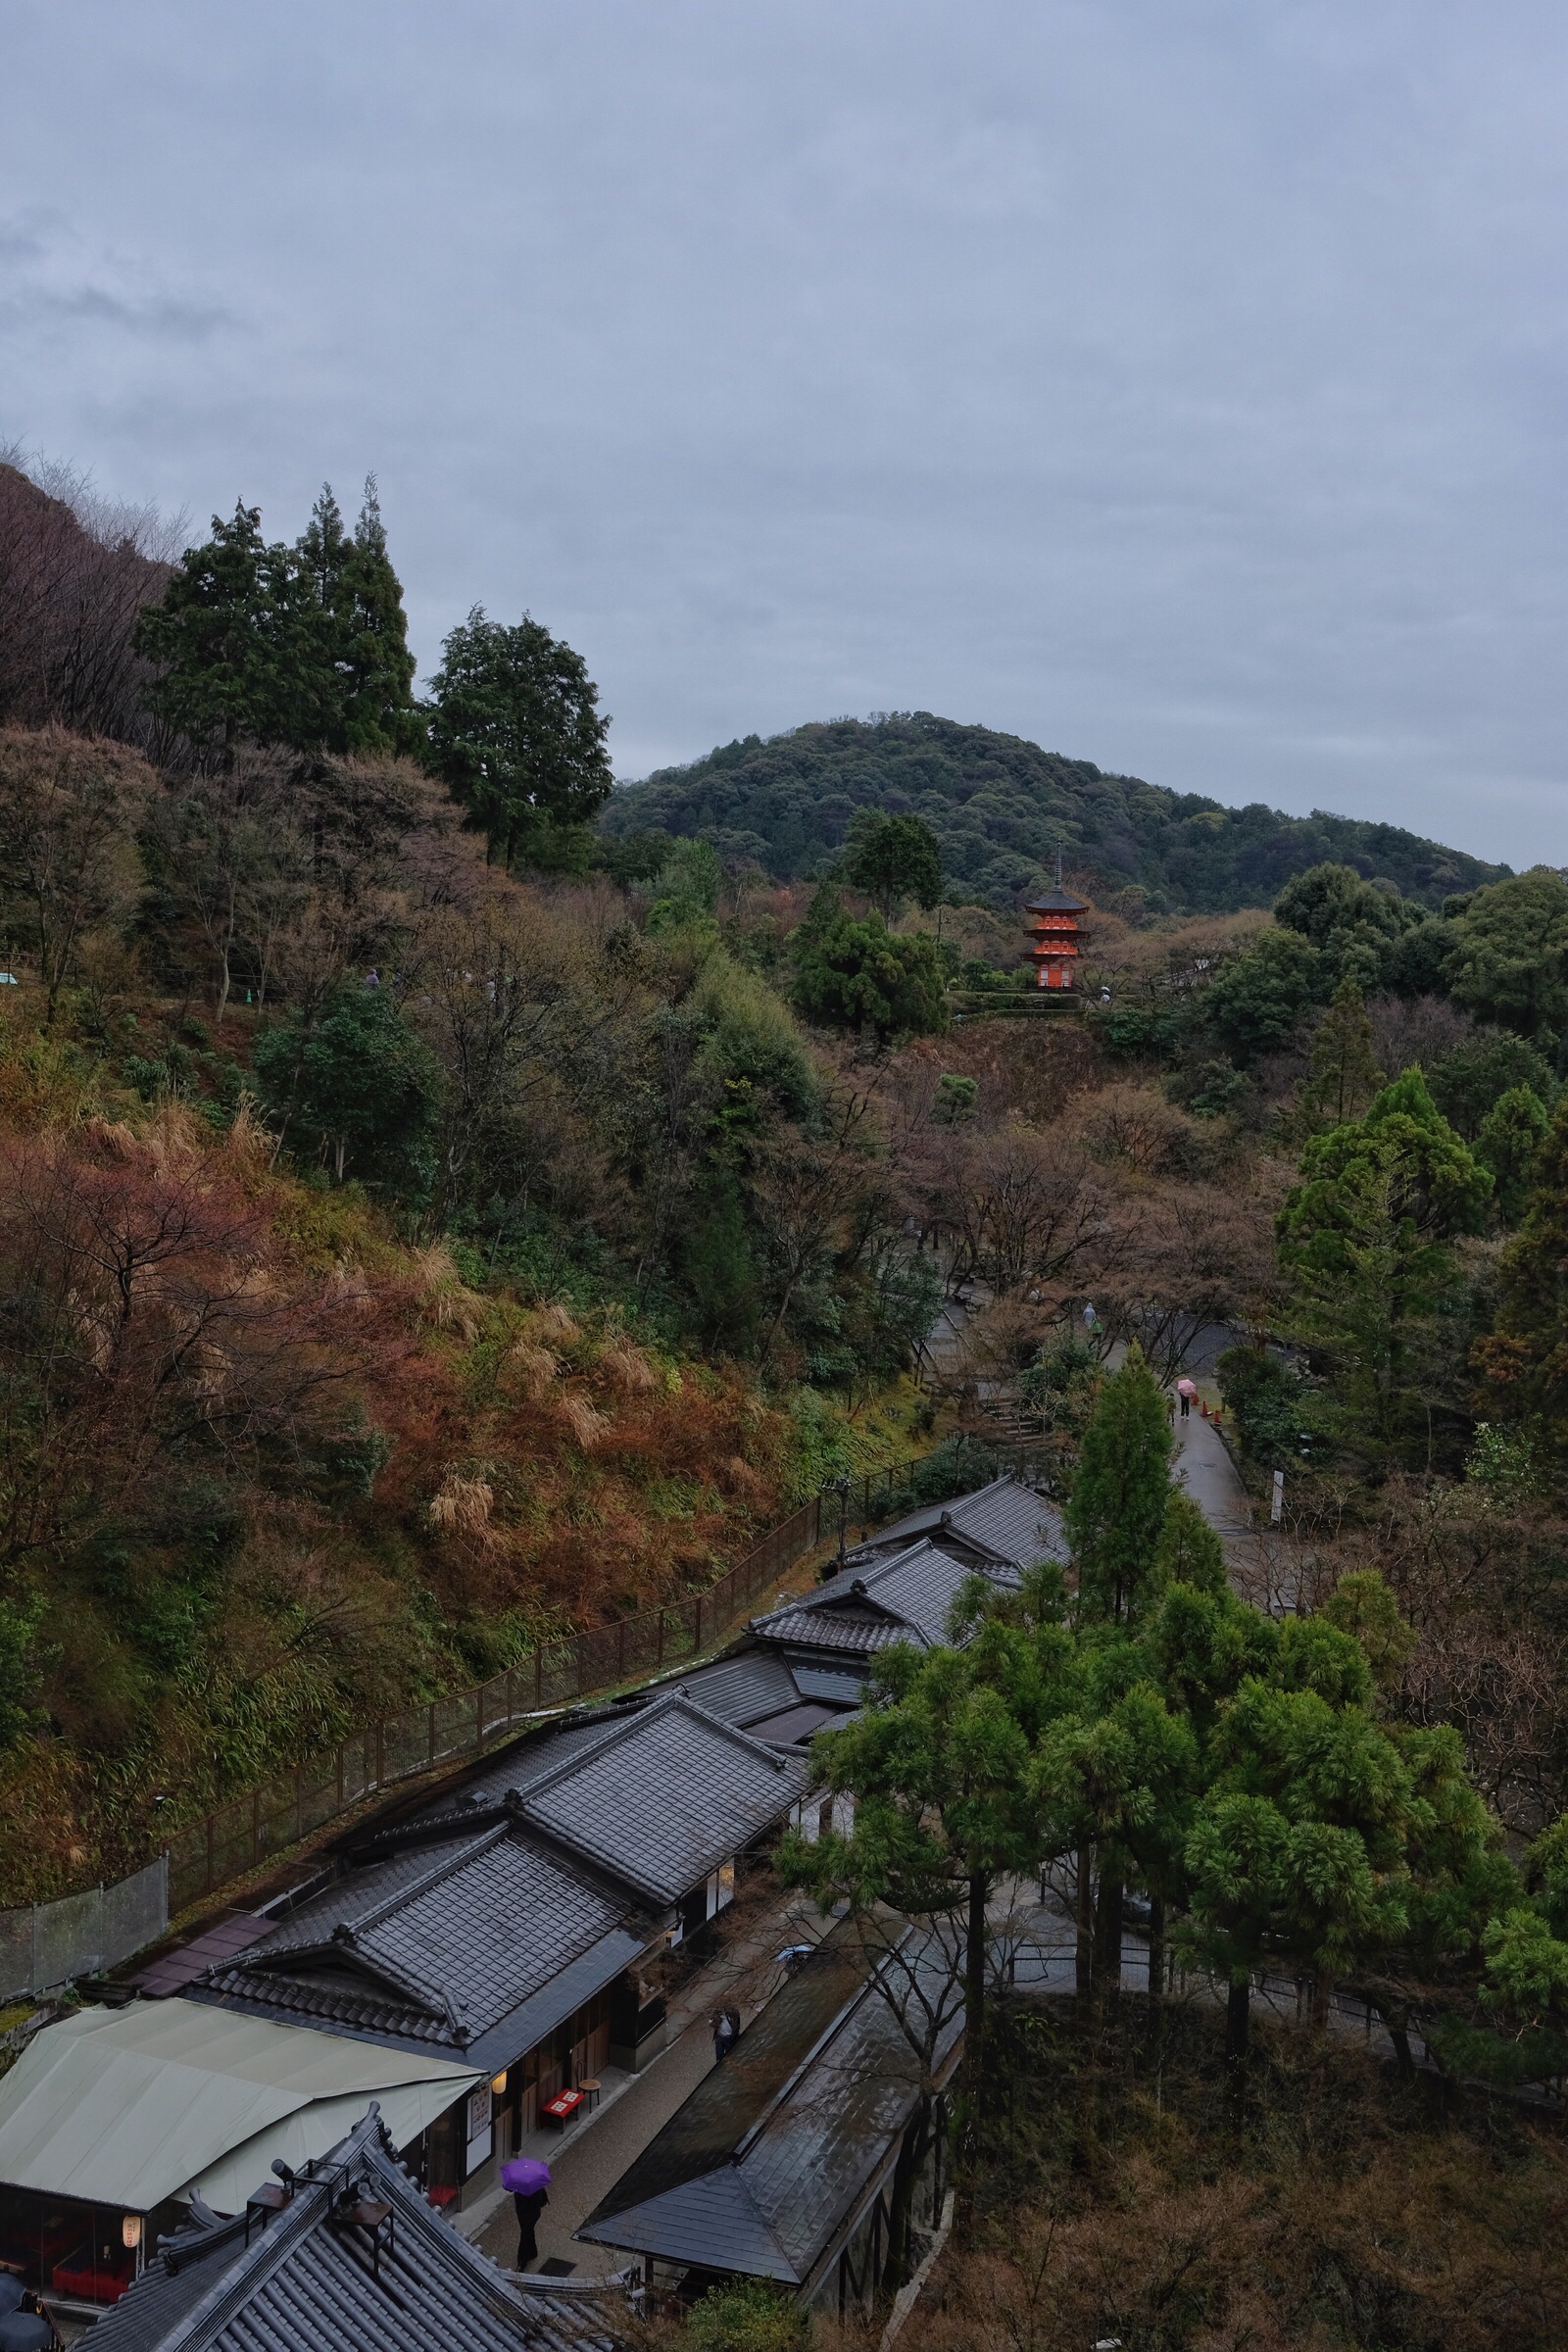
[1177,381]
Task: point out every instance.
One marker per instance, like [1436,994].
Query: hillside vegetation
[429,1221]
[1001,807]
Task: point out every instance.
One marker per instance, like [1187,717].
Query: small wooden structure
[1055,921]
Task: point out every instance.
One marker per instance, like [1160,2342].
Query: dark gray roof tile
[310,2281]
[670,1796]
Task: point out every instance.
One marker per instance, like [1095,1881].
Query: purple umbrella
[522,2175]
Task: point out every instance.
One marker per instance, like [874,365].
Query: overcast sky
[1179,384]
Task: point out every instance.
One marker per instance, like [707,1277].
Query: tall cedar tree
[1524,1359]
[304,646]
[362,629]
[1117,1511]
[1343,1075]
[232,641]
[516,733]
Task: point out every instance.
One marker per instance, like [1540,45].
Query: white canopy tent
[163,2099]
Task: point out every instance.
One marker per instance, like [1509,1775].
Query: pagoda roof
[1059,901]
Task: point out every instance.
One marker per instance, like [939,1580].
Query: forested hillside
[1001,807]
[428,1222]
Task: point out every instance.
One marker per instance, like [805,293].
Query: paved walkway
[1213,1479]
[590,2158]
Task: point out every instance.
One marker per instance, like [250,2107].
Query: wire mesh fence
[44,1945]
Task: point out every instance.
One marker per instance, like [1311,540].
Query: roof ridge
[677,1701]
[395,1900]
[829,2033]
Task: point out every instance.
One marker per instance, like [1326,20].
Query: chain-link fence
[48,1944]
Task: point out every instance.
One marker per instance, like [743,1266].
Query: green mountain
[1000,807]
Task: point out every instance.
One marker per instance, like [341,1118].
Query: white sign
[1277,1507]
[481,2135]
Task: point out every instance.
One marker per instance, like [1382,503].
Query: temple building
[1056,922]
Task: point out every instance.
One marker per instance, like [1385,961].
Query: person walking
[1185,1391]
[530,2204]
[726,2033]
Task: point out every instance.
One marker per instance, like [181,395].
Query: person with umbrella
[529,2182]
[1185,1389]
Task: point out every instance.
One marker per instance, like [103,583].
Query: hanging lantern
[131,2230]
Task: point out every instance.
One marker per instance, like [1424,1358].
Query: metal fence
[244,1832]
[48,1944]
[44,1945]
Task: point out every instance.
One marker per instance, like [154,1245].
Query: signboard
[481,2136]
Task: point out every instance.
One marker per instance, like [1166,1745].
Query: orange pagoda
[1055,922]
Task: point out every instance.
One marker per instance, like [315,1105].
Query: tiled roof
[316,2277]
[1007,1516]
[901,1595]
[763,2168]
[743,1688]
[840,1686]
[530,1760]
[857,1632]
[792,1725]
[435,1944]
[672,1793]
[171,1970]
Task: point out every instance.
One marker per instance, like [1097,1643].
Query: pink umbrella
[1187,1388]
[522,2175]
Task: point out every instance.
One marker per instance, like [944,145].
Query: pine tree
[1116,1512]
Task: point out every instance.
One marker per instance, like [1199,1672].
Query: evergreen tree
[1343,1074]
[860,975]
[893,859]
[365,630]
[1511,1135]
[1258,1002]
[1524,1359]
[234,642]
[1510,962]
[516,733]
[305,646]
[937,1765]
[1362,1237]
[1120,1491]
[359,1084]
